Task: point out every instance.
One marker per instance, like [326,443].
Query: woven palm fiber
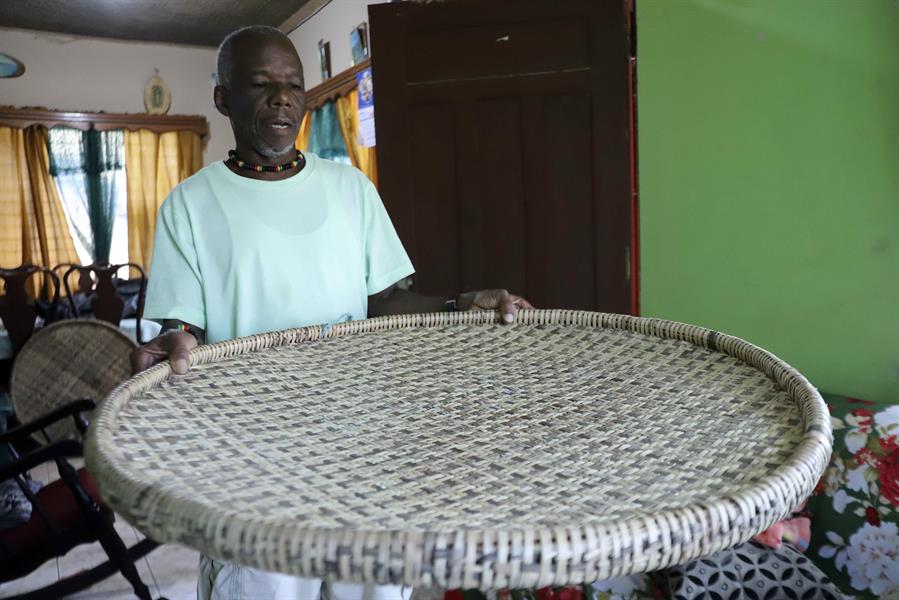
[66,361]
[448,450]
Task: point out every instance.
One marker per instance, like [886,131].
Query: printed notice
[366,109]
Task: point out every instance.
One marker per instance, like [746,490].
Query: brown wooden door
[503,132]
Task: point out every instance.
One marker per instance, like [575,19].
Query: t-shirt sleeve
[386,261]
[174,290]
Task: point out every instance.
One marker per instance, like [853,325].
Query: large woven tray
[448,450]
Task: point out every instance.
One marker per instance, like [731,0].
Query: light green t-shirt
[238,256]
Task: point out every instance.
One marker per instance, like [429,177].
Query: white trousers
[225,581]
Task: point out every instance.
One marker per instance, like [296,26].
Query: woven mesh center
[461,427]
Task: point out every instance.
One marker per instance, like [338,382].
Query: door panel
[497,50]
[435,235]
[560,203]
[493,219]
[504,146]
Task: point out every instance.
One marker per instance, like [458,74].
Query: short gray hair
[225,58]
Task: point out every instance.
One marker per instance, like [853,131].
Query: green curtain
[85,164]
[326,138]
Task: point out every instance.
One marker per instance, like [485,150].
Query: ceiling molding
[306,12]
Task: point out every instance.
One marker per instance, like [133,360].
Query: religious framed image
[324,56]
[157,97]
[359,42]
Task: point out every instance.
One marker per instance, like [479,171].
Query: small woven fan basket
[64,362]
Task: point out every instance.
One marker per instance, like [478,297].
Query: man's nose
[281,96]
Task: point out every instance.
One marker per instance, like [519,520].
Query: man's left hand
[507,304]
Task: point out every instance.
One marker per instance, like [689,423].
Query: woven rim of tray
[485,559]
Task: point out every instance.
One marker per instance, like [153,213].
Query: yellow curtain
[362,158]
[305,132]
[33,228]
[154,164]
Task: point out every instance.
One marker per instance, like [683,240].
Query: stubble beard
[264,149]
[269,152]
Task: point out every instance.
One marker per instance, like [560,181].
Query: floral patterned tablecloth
[855,512]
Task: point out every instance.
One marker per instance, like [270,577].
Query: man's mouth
[281,125]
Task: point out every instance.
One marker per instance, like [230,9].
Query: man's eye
[297,87]
[258,84]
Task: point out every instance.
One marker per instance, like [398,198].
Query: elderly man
[270,239]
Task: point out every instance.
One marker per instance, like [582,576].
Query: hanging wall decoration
[157,97]
[366,108]
[324,55]
[10,66]
[359,42]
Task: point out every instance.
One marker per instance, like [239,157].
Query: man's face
[266,99]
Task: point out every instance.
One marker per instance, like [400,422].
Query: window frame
[22,118]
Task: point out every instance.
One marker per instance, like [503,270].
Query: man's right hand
[172,345]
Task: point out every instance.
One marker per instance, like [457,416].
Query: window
[326,139]
[89,168]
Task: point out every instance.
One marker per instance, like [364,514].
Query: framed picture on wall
[324,55]
[359,42]
[157,96]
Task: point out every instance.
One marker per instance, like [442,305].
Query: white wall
[332,23]
[89,74]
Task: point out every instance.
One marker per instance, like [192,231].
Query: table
[149,330]
[448,450]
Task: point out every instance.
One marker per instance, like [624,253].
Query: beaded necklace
[298,163]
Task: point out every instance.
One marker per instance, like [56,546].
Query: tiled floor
[169,571]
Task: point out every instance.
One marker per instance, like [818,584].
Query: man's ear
[220,97]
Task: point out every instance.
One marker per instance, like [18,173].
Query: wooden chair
[18,311]
[65,513]
[100,279]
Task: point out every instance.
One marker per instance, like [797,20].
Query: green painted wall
[769,179]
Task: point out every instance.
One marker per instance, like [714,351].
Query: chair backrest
[18,310]
[100,279]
